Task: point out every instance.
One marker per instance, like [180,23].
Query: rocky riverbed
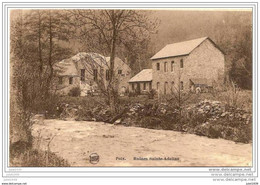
[116,145]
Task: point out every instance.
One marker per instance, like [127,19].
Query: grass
[23,155]
[37,158]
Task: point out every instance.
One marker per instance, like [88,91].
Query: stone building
[186,65]
[86,70]
[142,82]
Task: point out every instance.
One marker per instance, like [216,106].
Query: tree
[235,38]
[108,32]
[36,37]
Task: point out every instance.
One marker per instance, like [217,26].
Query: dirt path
[77,140]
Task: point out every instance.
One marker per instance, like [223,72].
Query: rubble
[215,110]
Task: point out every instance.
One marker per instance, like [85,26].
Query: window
[172,65]
[165,87]
[172,87]
[60,79]
[95,74]
[119,71]
[144,86]
[150,86]
[181,85]
[133,86]
[158,66]
[165,67]
[158,85]
[101,71]
[181,63]
[82,74]
[71,80]
[107,75]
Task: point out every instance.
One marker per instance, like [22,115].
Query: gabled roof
[94,58]
[179,48]
[143,76]
[66,67]
[118,63]
[69,67]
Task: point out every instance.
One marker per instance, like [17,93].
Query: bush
[36,158]
[150,122]
[214,131]
[75,91]
[244,134]
[132,94]
[47,106]
[152,94]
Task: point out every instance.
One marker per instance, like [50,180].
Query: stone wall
[205,61]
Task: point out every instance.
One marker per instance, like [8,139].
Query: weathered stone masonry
[205,61]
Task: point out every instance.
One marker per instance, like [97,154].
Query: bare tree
[179,96]
[35,47]
[107,32]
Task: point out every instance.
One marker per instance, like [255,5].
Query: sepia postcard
[132,88]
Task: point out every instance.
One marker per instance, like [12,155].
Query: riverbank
[115,145]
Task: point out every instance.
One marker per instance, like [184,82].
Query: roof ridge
[189,40]
[179,48]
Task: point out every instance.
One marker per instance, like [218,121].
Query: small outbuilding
[200,85]
[141,82]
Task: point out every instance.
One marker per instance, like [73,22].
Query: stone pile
[77,112]
[216,110]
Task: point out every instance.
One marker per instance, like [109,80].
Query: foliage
[150,122]
[133,94]
[209,118]
[34,158]
[110,32]
[35,48]
[75,91]
[152,93]
[233,96]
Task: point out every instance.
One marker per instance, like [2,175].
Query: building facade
[142,82]
[87,70]
[183,65]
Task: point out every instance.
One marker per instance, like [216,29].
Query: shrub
[36,158]
[132,94]
[152,94]
[243,134]
[150,122]
[75,91]
[214,131]
[47,106]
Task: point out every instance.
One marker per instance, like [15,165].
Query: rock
[223,114]
[207,108]
[204,124]
[163,111]
[127,121]
[117,122]
[244,116]
[38,118]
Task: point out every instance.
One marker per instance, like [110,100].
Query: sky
[177,26]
